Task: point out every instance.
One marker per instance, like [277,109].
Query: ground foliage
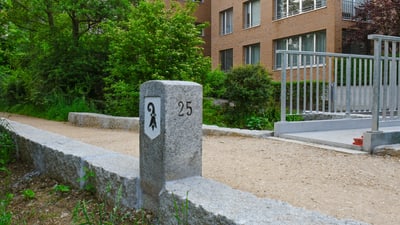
[29,197]
[55,203]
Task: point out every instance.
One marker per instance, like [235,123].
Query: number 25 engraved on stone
[185,108]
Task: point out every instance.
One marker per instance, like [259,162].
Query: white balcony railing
[350,8]
[343,83]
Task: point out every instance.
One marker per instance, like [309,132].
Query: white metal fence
[386,94]
[343,83]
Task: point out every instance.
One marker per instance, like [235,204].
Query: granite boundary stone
[170,135]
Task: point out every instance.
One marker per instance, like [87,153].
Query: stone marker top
[173,82]
[146,86]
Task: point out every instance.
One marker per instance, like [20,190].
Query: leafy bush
[58,107]
[265,121]
[156,43]
[258,123]
[122,99]
[16,88]
[249,88]
[213,114]
[214,84]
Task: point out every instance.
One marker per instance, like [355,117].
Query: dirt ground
[50,206]
[360,187]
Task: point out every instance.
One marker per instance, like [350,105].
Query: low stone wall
[208,202]
[132,123]
[103,121]
[68,160]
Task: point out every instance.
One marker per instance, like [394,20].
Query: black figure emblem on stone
[152,110]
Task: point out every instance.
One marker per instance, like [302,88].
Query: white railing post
[283,87]
[348,86]
[384,107]
[392,81]
[376,82]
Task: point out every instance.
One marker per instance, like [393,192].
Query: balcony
[287,8]
[350,7]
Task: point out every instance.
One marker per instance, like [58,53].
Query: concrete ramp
[337,132]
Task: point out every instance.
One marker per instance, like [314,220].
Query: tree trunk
[75,28]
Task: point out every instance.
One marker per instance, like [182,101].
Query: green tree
[157,42]
[377,17]
[374,17]
[60,51]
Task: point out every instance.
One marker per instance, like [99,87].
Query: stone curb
[103,121]
[132,123]
[210,202]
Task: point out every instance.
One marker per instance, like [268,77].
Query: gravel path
[360,187]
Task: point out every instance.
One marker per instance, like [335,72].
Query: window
[360,47]
[251,13]
[285,8]
[312,42]
[252,54]
[201,29]
[308,5]
[202,32]
[226,20]
[226,59]
[293,7]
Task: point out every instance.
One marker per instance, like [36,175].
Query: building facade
[203,15]
[250,31]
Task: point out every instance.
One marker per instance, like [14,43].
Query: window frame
[249,20]
[226,21]
[302,62]
[248,54]
[225,64]
[287,8]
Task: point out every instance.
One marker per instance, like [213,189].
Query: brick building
[250,31]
